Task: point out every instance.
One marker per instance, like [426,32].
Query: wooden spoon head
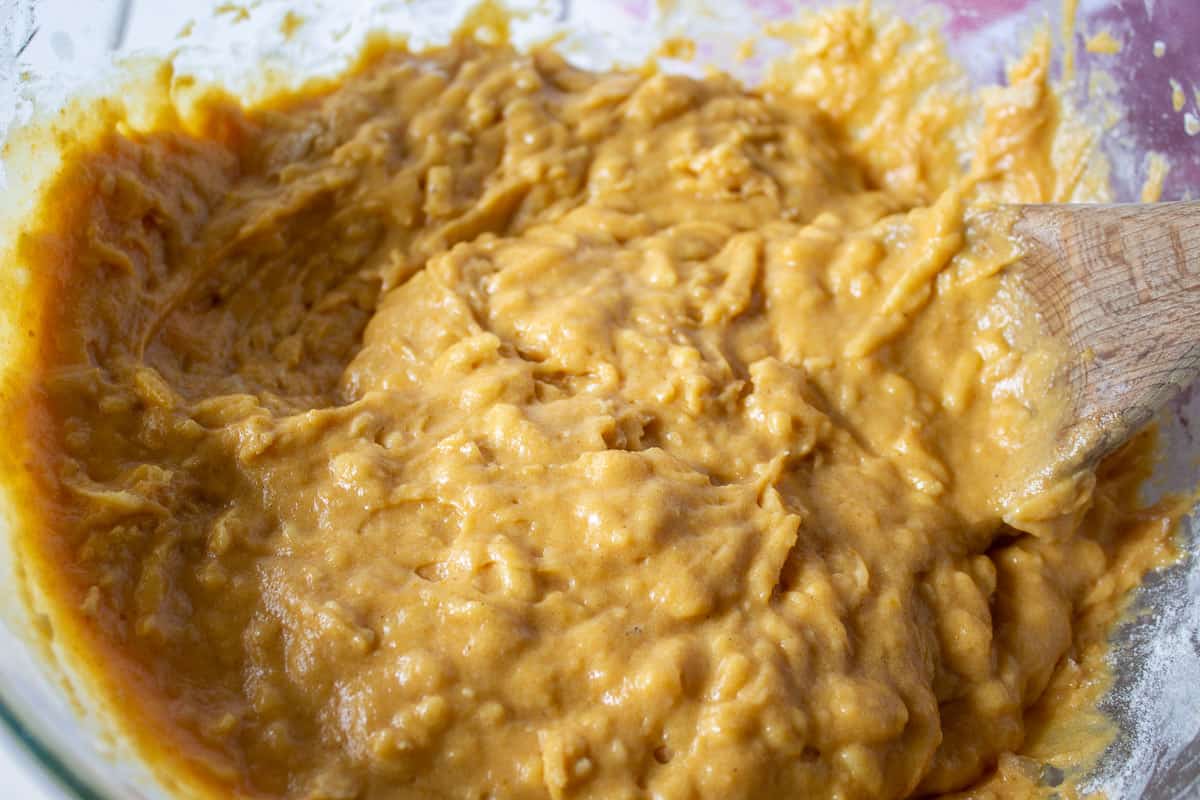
[1119,285]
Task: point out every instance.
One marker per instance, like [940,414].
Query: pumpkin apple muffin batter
[479,426]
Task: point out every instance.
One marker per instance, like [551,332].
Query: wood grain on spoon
[1120,286]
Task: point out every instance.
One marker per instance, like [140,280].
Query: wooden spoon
[1120,285]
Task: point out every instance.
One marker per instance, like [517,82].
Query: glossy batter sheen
[483,427]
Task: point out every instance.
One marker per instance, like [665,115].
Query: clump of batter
[485,427]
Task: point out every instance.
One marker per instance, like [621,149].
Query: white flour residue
[1156,655]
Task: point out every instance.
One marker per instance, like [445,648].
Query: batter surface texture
[483,427]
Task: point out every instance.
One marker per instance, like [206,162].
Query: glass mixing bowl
[53,49]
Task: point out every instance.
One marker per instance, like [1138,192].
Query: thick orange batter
[485,427]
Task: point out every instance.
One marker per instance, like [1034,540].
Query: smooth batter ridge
[485,427]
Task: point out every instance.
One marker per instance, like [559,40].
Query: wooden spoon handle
[1120,284]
